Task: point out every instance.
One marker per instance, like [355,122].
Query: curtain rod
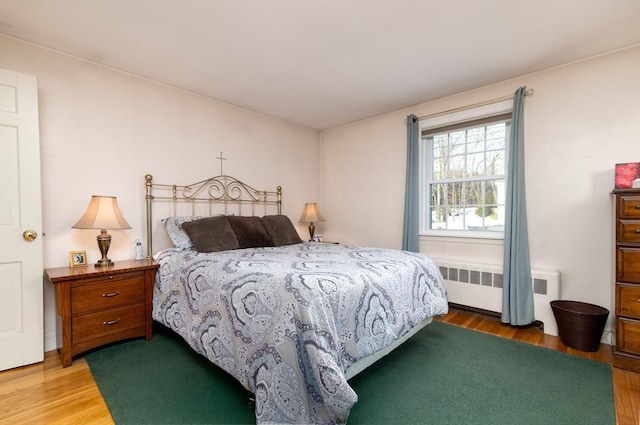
[527,92]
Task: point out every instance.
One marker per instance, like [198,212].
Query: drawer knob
[637,207]
[111,322]
[637,231]
[111,294]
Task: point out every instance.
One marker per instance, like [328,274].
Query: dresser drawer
[100,324]
[629,231]
[100,295]
[628,335]
[629,206]
[628,264]
[628,300]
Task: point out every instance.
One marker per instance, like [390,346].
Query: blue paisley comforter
[287,322]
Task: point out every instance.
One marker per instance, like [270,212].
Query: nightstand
[100,305]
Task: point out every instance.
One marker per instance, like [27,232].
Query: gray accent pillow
[249,231]
[281,230]
[211,234]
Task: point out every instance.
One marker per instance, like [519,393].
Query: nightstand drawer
[97,325]
[107,294]
[628,335]
[628,300]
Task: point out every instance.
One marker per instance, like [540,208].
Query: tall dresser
[627,349]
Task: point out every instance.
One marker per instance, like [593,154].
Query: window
[463,177]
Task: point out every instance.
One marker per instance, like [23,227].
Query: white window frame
[426,160]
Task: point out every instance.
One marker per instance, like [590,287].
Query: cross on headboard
[221,158]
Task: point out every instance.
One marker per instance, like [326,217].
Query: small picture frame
[77,258]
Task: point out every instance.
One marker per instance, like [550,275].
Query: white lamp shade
[311,214]
[102,213]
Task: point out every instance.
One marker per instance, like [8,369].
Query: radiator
[480,286]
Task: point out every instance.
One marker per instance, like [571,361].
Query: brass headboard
[221,194]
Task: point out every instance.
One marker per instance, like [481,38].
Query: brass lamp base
[104,242]
[312,230]
[102,263]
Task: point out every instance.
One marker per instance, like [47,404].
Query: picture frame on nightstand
[77,258]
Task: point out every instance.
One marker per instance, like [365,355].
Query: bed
[292,321]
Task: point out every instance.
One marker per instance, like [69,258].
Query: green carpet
[443,375]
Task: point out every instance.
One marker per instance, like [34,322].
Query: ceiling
[325,63]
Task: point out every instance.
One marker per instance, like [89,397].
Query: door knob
[29,235]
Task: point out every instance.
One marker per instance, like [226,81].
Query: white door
[21,280]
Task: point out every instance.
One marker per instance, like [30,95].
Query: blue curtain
[517,292]
[411,211]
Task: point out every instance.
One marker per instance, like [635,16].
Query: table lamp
[102,213]
[311,214]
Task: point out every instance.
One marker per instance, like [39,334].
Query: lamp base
[104,263]
[312,230]
[104,242]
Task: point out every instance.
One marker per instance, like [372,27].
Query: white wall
[582,120]
[102,130]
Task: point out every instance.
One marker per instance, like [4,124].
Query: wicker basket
[580,325]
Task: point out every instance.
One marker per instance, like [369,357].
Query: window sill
[463,235]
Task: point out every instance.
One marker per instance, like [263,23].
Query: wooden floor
[46,393]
